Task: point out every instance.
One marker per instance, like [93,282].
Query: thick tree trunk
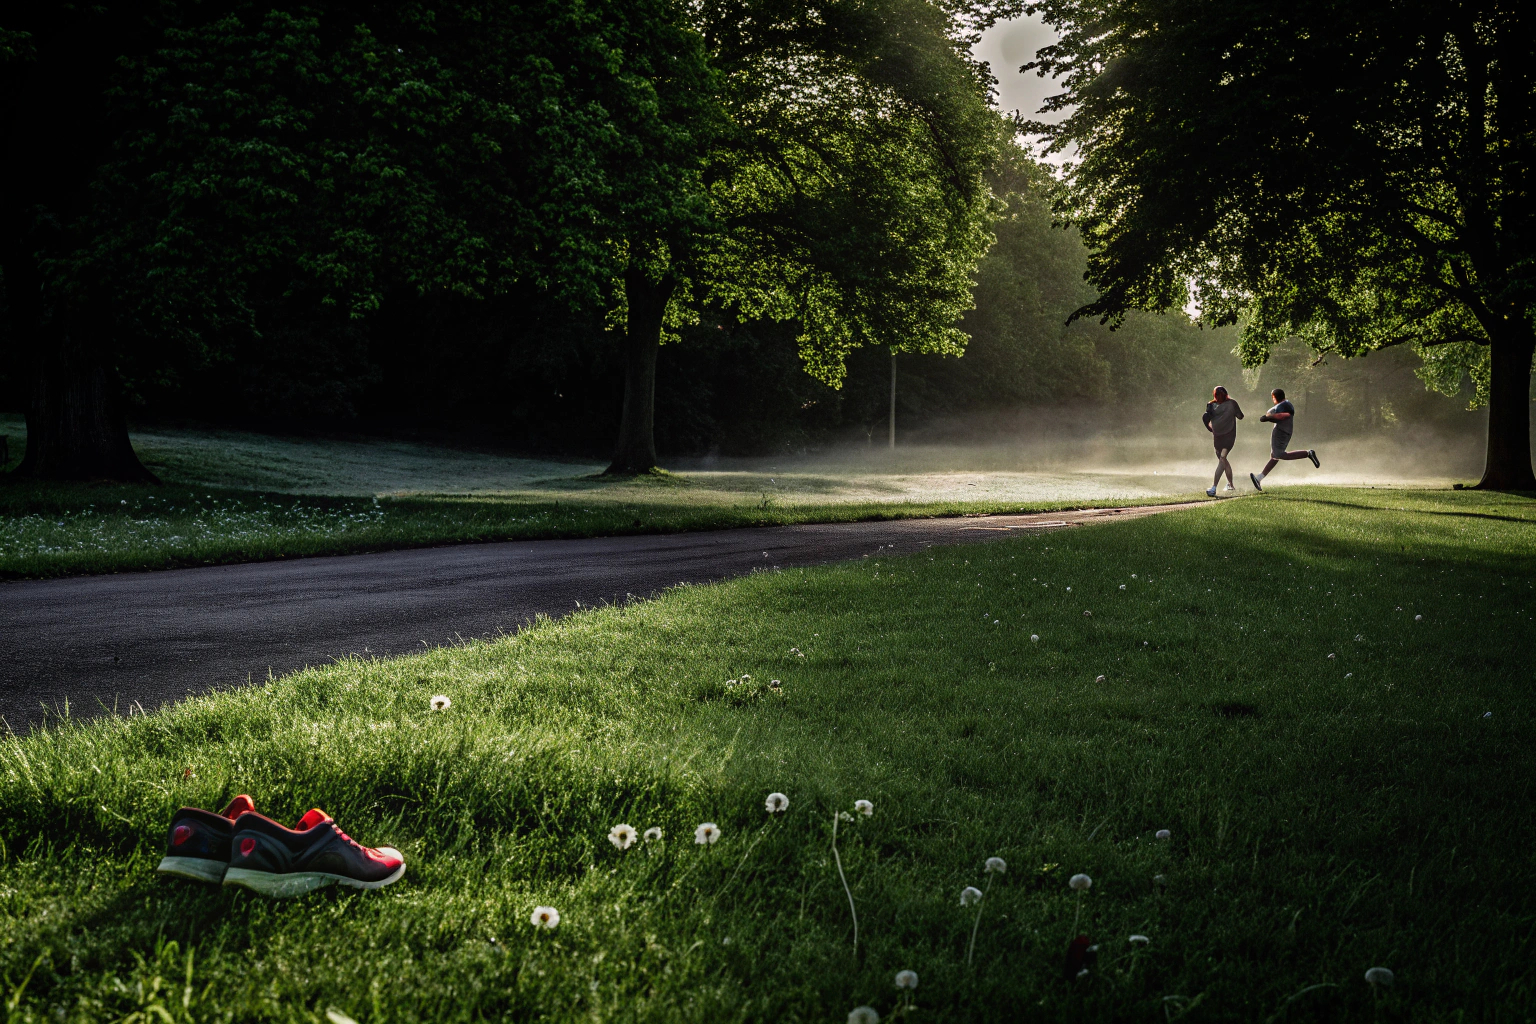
[1509,412]
[647,301]
[76,427]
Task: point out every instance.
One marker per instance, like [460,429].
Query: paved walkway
[153,637]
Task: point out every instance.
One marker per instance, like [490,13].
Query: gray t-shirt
[1223,416]
[1283,428]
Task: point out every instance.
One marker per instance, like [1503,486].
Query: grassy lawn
[1338,793]
[234,496]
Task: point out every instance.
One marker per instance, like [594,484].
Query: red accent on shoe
[383,858]
[246,846]
[238,806]
[181,835]
[315,816]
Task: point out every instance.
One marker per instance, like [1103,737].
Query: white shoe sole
[300,882]
[199,869]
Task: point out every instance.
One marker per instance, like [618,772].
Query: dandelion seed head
[776,802]
[544,917]
[906,979]
[1080,882]
[863,1015]
[1163,833]
[706,834]
[1034,638]
[997,864]
[970,894]
[1418,618]
[441,703]
[652,833]
[622,836]
[864,807]
[1380,976]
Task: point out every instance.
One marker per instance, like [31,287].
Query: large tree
[1356,174]
[227,159]
[842,188]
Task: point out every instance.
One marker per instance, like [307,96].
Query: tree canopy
[1353,174]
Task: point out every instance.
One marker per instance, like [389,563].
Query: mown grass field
[234,496]
[1347,785]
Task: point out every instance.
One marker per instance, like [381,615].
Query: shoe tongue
[238,806]
[315,817]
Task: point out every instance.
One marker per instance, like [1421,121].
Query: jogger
[1221,416]
[1283,416]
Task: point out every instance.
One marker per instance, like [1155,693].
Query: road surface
[103,642]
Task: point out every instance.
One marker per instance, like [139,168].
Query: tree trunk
[647,301]
[76,427]
[1509,411]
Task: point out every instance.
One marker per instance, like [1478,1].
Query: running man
[1283,416]
[1221,416]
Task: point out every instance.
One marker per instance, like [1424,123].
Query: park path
[149,638]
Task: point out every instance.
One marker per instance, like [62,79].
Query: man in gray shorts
[1283,416]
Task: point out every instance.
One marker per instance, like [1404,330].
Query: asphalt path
[139,640]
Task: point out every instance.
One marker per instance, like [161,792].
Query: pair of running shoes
[1258,481]
[240,847]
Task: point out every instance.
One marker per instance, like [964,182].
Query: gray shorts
[1278,444]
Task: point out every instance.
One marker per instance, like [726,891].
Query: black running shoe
[1312,454]
[197,845]
[278,861]
[1255,478]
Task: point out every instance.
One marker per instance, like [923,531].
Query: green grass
[49,530]
[235,496]
[1328,814]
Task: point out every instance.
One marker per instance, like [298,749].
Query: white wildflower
[544,917]
[970,894]
[706,834]
[1139,940]
[441,703]
[653,833]
[1379,976]
[863,1015]
[1418,618]
[864,807]
[1163,833]
[1080,882]
[906,979]
[776,802]
[997,864]
[1122,586]
[1034,638]
[622,836]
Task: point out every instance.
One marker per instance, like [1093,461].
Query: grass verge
[49,530]
[1337,794]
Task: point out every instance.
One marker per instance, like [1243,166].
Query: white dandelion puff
[544,917]
[622,836]
[1034,638]
[1163,833]
[1080,882]
[864,807]
[1379,976]
[997,864]
[653,833]
[906,979]
[706,834]
[970,894]
[1139,940]
[1418,618]
[863,1015]
[441,703]
[776,802]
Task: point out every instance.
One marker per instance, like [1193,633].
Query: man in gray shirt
[1221,416]
[1283,416]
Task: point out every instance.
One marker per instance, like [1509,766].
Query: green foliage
[1345,173]
[1327,814]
